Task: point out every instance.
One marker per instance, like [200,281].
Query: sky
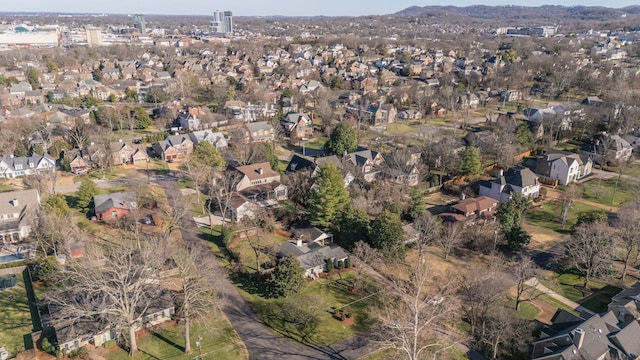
[264,7]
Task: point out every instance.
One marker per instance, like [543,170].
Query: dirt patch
[546,310]
[348,322]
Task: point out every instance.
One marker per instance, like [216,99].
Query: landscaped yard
[399,129]
[15,317]
[4,187]
[569,285]
[602,191]
[528,311]
[317,143]
[318,298]
[549,215]
[219,342]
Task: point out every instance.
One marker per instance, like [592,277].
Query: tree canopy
[351,226]
[510,217]
[328,196]
[86,192]
[206,153]
[287,278]
[386,234]
[343,138]
[58,204]
[470,162]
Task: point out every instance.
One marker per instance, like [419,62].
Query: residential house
[18,211]
[190,118]
[97,331]
[409,114]
[215,138]
[483,140]
[599,336]
[126,153]
[366,162]
[516,180]
[297,125]
[625,305]
[20,89]
[235,109]
[404,175]
[260,131]
[313,248]
[113,206]
[240,207]
[380,114]
[258,182]
[34,97]
[78,165]
[310,166]
[563,167]
[478,206]
[611,148]
[166,151]
[12,167]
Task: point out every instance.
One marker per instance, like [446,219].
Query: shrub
[227,234]
[347,263]
[347,314]
[329,265]
[48,347]
[109,344]
[78,352]
[340,265]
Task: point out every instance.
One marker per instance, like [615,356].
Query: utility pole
[199,346]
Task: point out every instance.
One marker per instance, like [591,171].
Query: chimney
[260,171]
[463,196]
[119,140]
[298,242]
[14,202]
[578,337]
[500,173]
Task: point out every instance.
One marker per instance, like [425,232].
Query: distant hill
[547,12]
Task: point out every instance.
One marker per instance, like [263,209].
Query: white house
[563,167]
[518,179]
[12,167]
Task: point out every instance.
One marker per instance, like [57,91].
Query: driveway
[260,341]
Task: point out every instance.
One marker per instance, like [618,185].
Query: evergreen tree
[86,192]
[58,204]
[206,153]
[287,278]
[470,163]
[328,196]
[343,138]
[510,217]
[143,120]
[386,234]
[351,227]
[523,135]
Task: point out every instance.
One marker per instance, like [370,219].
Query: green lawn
[214,239]
[599,300]
[602,191]
[557,304]
[15,317]
[549,215]
[569,285]
[399,129]
[219,342]
[322,295]
[4,187]
[571,146]
[317,143]
[528,311]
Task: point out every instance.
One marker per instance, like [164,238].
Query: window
[10,216]
[114,213]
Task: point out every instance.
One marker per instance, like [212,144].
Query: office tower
[140,24]
[94,37]
[222,22]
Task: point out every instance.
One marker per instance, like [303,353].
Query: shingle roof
[253,171]
[118,200]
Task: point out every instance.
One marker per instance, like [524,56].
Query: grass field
[15,317]
[399,129]
[4,187]
[219,342]
[569,285]
[549,216]
[317,143]
[318,297]
[606,192]
[528,311]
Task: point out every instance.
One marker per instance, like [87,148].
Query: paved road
[260,341]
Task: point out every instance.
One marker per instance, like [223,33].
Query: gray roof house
[517,179]
[626,304]
[600,336]
[313,256]
[260,131]
[562,166]
[215,138]
[12,167]
[17,214]
[114,205]
[611,148]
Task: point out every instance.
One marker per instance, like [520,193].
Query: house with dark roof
[18,211]
[310,166]
[516,180]
[600,336]
[214,138]
[115,205]
[255,184]
[260,131]
[366,162]
[127,153]
[297,125]
[12,167]
[561,166]
[611,148]
[626,304]
[313,255]
[173,147]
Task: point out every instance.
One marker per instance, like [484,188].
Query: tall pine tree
[328,196]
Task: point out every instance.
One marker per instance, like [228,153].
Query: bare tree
[196,299]
[221,190]
[450,237]
[479,291]
[429,228]
[364,255]
[568,196]
[54,232]
[416,314]
[589,249]
[628,224]
[115,287]
[524,269]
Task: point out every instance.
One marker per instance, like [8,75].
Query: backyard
[548,216]
[569,284]
[15,317]
[611,192]
[219,341]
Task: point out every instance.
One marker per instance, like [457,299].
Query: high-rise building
[222,22]
[139,23]
[94,37]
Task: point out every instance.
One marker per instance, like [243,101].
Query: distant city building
[140,23]
[94,37]
[222,22]
[27,36]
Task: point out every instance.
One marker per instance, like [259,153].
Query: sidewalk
[534,283]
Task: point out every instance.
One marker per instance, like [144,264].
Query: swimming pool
[11,258]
